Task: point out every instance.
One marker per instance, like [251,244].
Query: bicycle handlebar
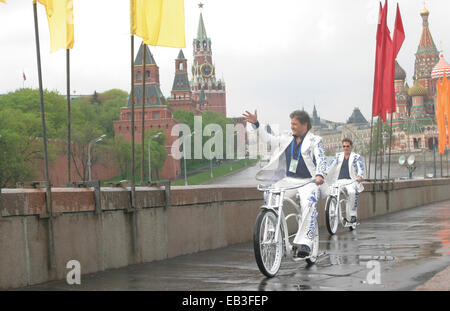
[335,184]
[262,188]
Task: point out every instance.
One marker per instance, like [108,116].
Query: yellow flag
[4,1]
[159,22]
[60,23]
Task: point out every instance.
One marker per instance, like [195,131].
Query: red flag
[387,82]
[399,37]
[379,61]
[387,50]
[399,32]
[24,77]
[375,108]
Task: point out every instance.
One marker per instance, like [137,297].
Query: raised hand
[249,117]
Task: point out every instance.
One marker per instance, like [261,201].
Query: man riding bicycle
[298,157]
[343,167]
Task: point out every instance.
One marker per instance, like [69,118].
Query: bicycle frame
[277,195]
[336,191]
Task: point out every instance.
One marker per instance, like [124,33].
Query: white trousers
[309,196]
[351,207]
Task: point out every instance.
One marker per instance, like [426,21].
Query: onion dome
[417,90]
[400,73]
[424,11]
[440,68]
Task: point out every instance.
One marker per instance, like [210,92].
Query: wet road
[243,177]
[407,248]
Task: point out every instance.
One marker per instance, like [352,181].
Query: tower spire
[426,40]
[201,31]
[426,58]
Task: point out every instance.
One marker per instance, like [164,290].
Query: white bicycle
[335,208]
[271,239]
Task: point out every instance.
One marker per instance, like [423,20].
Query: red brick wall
[106,168]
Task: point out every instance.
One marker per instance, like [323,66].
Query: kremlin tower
[207,90]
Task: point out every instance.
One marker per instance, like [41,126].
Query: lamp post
[210,166]
[149,156]
[96,140]
[184,157]
[231,164]
[424,163]
[384,145]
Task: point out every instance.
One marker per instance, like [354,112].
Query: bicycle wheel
[314,249]
[268,253]
[331,215]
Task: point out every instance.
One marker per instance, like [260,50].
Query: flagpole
[133,176]
[380,138]
[381,144]
[370,144]
[143,110]
[68,114]
[51,253]
[390,146]
[377,145]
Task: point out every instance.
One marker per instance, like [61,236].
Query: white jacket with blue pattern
[355,168]
[312,148]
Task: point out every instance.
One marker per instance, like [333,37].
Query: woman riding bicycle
[343,167]
[298,156]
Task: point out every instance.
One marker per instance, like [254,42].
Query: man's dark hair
[348,140]
[302,117]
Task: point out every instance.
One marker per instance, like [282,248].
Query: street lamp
[149,162]
[409,163]
[96,140]
[184,157]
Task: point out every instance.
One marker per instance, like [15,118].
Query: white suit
[275,170]
[355,169]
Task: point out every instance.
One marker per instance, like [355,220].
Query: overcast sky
[275,56]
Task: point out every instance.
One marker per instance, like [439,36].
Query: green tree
[102,114]
[19,147]
[158,151]
[377,141]
[122,155]
[21,133]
